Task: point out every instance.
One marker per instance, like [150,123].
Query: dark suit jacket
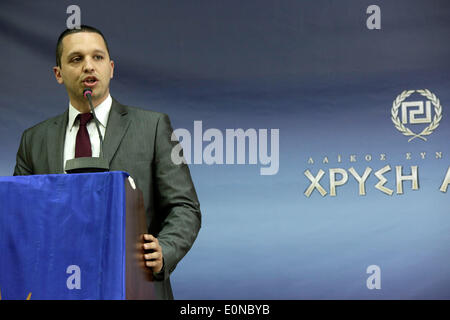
[138,142]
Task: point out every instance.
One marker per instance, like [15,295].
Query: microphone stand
[89,164]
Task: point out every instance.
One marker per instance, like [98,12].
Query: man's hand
[153,259]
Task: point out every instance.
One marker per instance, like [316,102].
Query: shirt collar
[101,111]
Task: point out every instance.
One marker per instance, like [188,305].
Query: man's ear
[112,69]
[58,76]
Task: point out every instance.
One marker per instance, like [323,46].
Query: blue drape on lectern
[63,236]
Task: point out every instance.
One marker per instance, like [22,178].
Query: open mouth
[90,81]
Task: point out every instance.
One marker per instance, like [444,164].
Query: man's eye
[75,59]
[98,57]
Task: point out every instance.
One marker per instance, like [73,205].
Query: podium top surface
[64,176]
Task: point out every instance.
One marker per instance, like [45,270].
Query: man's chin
[96,93]
[98,98]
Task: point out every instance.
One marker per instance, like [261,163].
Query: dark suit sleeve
[177,198]
[22,163]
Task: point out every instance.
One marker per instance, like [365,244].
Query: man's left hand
[154,259]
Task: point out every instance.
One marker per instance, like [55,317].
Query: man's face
[85,63]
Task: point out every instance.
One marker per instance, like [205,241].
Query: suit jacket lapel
[56,133]
[118,123]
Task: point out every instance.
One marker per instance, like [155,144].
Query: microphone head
[87,92]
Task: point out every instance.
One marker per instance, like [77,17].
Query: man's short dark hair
[83,28]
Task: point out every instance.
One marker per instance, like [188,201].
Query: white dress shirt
[102,113]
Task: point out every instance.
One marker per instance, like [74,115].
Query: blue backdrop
[315,71]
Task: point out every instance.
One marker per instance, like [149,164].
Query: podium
[76,236]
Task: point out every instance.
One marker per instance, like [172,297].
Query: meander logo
[414,112]
[411,110]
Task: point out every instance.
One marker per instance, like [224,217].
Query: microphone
[89,164]
[87,93]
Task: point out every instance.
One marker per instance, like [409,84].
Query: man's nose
[88,65]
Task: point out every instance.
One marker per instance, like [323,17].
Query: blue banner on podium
[63,236]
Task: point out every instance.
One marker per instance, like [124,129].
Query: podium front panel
[63,236]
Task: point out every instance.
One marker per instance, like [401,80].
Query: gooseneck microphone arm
[87,93]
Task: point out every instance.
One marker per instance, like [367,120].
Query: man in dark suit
[136,141]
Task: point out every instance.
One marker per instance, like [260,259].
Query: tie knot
[85,118]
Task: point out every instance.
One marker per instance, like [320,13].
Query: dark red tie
[83,143]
